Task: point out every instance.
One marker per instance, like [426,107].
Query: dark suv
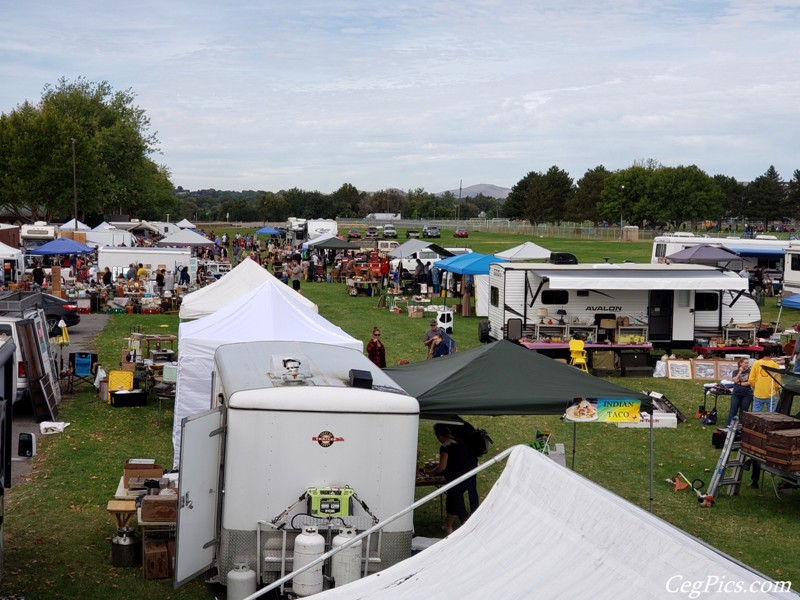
[431,231]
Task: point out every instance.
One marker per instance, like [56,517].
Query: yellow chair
[577,355]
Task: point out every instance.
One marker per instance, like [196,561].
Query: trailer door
[683,316]
[196,533]
[659,315]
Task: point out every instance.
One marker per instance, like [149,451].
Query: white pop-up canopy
[185,237]
[185,224]
[263,314]
[72,225]
[546,532]
[243,278]
[525,251]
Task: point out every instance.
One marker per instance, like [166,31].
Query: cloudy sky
[269,94]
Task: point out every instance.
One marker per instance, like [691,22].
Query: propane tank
[308,546]
[346,564]
[241,581]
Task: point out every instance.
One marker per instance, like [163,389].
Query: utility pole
[74,188]
[621,209]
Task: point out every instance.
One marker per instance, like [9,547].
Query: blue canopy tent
[63,246]
[267,230]
[792,301]
[476,265]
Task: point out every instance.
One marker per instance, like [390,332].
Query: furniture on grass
[82,369]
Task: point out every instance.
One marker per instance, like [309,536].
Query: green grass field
[58,532]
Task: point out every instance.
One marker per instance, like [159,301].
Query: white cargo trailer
[671,304]
[119,259]
[110,237]
[304,434]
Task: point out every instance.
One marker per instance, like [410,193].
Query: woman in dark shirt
[453,463]
[742,393]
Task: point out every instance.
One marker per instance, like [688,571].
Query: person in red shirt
[376,351]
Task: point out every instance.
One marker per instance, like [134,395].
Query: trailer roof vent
[291,372]
[360,379]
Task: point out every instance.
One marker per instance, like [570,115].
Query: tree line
[84,140]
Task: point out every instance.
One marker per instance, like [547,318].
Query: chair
[577,355]
[82,368]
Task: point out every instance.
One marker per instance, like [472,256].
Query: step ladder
[731,458]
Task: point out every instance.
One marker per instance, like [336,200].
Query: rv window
[708,301]
[661,250]
[555,297]
[494,296]
[795,262]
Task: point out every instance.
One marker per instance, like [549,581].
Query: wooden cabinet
[553,332]
[740,336]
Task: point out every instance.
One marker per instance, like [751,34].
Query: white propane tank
[346,564]
[308,546]
[241,581]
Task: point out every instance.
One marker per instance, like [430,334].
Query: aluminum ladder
[731,458]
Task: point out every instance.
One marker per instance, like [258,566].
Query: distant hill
[487,189]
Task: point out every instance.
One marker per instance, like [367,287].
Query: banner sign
[603,410]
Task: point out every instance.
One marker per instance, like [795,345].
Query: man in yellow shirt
[765,388]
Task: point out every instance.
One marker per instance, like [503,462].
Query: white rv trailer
[762,251]
[318,227]
[293,416]
[110,237]
[791,269]
[676,303]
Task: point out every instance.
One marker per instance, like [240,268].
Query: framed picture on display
[705,370]
[679,369]
[726,369]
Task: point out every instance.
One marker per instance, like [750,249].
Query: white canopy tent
[264,313]
[185,224]
[546,532]
[71,226]
[15,257]
[104,226]
[243,278]
[185,237]
[525,251]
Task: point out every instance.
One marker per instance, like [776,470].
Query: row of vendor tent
[243,278]
[76,225]
[264,313]
[544,531]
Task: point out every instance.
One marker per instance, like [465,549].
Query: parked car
[389,232]
[431,231]
[55,309]
[460,233]
[412,233]
[353,234]
[371,232]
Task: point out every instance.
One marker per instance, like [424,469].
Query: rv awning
[613,279]
[762,251]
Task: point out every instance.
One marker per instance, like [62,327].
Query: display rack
[558,332]
[632,334]
[590,331]
[741,336]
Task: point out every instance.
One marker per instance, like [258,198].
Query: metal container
[126,548]
[241,581]
[346,564]
[308,546]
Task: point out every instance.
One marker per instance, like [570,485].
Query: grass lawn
[58,532]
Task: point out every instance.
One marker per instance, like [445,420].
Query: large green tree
[103,132]
[583,206]
[767,197]
[540,197]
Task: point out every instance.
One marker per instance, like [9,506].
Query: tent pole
[574,442]
[652,418]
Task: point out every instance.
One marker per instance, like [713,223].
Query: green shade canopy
[502,378]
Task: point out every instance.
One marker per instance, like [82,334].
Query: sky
[270,95]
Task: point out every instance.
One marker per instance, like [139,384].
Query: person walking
[296,272]
[453,463]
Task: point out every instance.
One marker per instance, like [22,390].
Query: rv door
[683,315]
[196,535]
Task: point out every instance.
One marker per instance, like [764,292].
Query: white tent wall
[546,532]
[243,278]
[262,314]
[481,295]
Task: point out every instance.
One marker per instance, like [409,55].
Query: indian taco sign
[603,410]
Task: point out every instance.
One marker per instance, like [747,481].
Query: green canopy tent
[335,244]
[503,378]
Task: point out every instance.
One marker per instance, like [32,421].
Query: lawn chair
[82,369]
[577,355]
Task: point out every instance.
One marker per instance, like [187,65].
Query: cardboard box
[156,559]
[416,312]
[136,470]
[161,509]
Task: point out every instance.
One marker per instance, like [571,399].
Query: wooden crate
[783,449]
[156,561]
[756,427]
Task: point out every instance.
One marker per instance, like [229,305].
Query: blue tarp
[472,263]
[267,230]
[62,246]
[791,301]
